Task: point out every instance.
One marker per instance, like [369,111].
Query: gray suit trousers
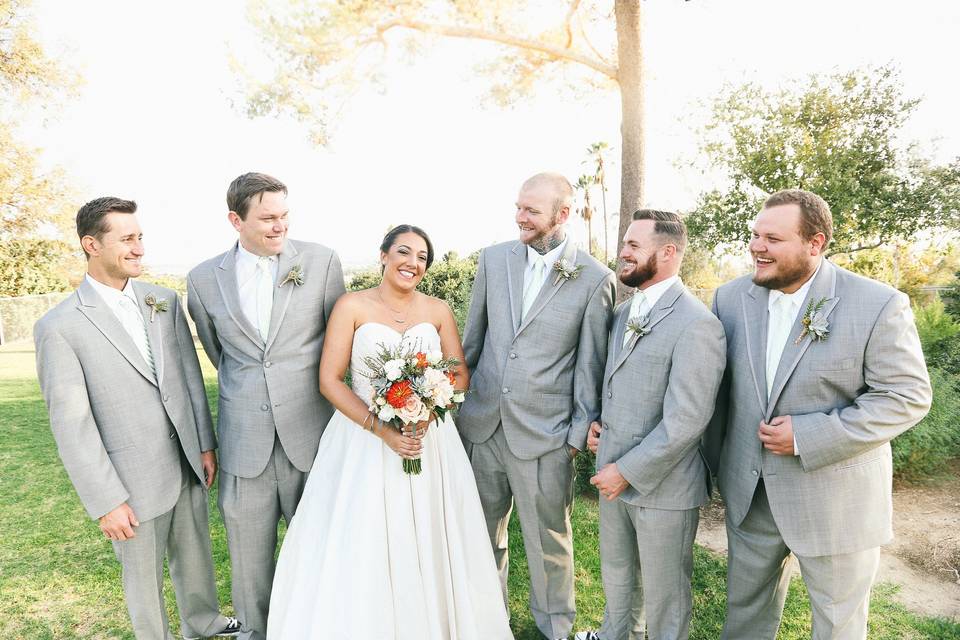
[646,561]
[757,581]
[543,491]
[183,535]
[251,509]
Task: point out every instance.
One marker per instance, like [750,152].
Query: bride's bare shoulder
[352,302]
[438,309]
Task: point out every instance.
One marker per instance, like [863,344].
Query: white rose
[387,413]
[434,357]
[458,397]
[393,369]
[380,401]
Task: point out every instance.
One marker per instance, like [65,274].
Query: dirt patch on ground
[923,559]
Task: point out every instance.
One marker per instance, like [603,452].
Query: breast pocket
[839,364]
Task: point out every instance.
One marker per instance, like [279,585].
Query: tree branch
[875,245]
[573,10]
[473,33]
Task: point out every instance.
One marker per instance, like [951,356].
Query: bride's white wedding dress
[375,554]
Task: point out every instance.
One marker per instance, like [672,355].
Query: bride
[374,553]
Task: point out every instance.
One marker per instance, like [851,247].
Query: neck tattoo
[548,243]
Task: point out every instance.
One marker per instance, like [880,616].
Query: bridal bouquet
[410,386]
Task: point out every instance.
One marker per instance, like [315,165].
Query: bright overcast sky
[153,121]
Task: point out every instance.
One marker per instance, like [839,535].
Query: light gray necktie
[264,295]
[135,326]
[638,306]
[533,287]
[778,331]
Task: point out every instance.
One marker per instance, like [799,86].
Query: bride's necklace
[405,313]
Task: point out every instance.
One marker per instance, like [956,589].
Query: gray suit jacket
[848,396]
[658,396]
[540,378]
[267,389]
[119,430]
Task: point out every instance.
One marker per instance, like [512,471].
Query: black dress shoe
[232,630]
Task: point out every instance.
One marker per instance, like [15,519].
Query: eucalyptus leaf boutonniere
[156,304]
[566,271]
[814,322]
[295,276]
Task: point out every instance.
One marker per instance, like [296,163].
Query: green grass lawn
[59,579]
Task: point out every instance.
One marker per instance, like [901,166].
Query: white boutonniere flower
[566,271]
[814,322]
[295,276]
[639,326]
[156,304]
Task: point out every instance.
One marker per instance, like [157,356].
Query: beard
[792,271]
[641,273]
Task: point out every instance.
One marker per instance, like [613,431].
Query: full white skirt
[376,554]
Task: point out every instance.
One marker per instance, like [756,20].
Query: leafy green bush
[923,450]
[449,278]
[940,336]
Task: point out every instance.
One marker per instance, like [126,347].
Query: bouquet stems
[412,466]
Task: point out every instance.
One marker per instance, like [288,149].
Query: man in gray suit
[664,364]
[122,383]
[824,369]
[535,343]
[261,311]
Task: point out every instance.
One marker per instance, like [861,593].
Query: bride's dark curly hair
[391,238]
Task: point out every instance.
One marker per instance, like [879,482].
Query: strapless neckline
[399,333]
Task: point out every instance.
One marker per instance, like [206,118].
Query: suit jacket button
[267,364]
[265,407]
[609,394]
[506,390]
[173,434]
[166,398]
[513,356]
[755,472]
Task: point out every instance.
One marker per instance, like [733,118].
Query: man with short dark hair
[664,364]
[261,311]
[120,376]
[824,369]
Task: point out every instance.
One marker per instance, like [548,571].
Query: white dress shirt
[247,280]
[779,331]
[126,308]
[549,258]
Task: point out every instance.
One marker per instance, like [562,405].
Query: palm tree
[596,151]
[584,183]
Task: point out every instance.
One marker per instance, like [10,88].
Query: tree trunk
[630,77]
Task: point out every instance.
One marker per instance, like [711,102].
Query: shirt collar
[250,258]
[796,298]
[653,293]
[550,256]
[110,295]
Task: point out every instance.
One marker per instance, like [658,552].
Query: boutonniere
[639,326]
[814,322]
[566,271]
[155,304]
[295,276]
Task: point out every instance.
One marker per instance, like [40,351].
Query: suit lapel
[99,314]
[154,332]
[550,286]
[824,286]
[755,320]
[226,274]
[663,308]
[516,263]
[281,294]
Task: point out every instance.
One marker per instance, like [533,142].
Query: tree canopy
[836,135]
